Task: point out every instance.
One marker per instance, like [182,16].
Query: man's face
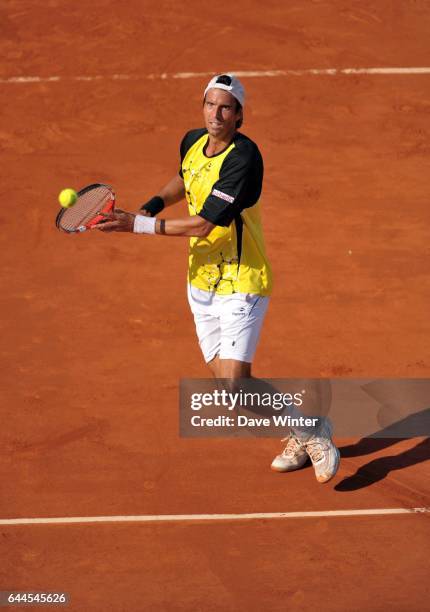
[220,115]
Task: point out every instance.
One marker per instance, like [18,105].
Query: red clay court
[96,330]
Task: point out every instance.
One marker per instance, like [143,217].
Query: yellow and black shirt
[225,189]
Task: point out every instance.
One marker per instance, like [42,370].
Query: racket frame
[108,207]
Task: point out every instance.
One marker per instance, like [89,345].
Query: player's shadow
[416,424]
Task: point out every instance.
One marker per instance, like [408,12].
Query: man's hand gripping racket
[94,209]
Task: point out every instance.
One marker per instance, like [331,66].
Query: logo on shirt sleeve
[222,195]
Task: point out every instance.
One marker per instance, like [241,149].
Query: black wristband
[154,205]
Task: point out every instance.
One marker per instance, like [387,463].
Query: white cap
[230,83]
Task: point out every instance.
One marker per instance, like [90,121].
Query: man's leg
[228,340]
[240,328]
[301,445]
[213,366]
[230,368]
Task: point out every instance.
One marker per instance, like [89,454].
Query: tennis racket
[92,201]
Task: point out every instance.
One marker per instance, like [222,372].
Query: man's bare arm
[173,191]
[188,226]
[123,221]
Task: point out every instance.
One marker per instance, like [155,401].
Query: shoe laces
[293,445]
[315,450]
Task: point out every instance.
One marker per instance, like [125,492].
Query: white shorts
[227,325]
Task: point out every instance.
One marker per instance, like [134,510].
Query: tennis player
[229,275]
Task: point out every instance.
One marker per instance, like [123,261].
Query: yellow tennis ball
[67,197]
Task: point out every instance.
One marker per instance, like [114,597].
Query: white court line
[239,73]
[170,518]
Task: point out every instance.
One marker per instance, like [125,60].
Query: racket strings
[87,206]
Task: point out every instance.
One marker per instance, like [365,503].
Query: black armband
[154,205]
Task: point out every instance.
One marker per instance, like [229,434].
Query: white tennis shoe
[319,448]
[293,457]
[323,453]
